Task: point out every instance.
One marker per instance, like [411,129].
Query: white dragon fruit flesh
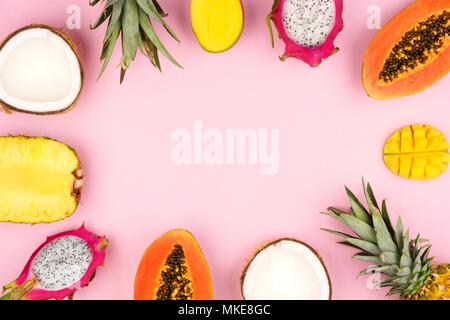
[307,27]
[64,263]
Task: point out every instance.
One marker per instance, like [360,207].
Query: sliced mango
[217,24]
[417,152]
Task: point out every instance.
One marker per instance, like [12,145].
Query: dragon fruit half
[64,263]
[307,27]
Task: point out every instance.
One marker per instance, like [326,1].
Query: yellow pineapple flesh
[439,286]
[417,152]
[40,180]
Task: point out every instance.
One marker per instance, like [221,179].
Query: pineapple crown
[404,261]
[133,20]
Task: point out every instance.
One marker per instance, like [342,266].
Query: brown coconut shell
[279,240]
[7,108]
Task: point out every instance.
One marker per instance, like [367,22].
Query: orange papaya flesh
[410,53]
[173,268]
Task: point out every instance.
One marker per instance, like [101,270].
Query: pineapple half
[406,263]
[40,180]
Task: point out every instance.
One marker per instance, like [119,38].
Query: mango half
[40,180]
[217,24]
[418,152]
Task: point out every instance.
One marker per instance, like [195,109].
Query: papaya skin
[147,281]
[378,50]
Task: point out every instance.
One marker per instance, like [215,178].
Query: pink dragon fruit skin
[311,55]
[27,286]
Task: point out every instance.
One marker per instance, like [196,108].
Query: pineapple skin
[438,287]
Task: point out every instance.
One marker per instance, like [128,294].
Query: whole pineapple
[409,270]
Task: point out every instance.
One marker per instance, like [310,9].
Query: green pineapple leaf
[358,209]
[399,233]
[102,18]
[337,211]
[387,219]
[364,256]
[160,10]
[337,233]
[405,262]
[150,33]
[384,238]
[130,32]
[370,197]
[405,271]
[114,22]
[405,259]
[389,257]
[108,49]
[131,20]
[151,52]
[366,246]
[362,229]
[390,270]
[152,11]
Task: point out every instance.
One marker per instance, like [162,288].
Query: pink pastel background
[331,134]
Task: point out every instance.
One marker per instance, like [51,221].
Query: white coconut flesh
[61,263]
[309,22]
[286,270]
[39,72]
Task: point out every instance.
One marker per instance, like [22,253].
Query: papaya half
[173,268]
[410,53]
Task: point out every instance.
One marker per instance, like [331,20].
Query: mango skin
[217,24]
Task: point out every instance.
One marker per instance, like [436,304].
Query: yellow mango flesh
[37,178]
[417,152]
[217,24]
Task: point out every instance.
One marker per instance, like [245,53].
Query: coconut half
[286,269]
[40,71]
